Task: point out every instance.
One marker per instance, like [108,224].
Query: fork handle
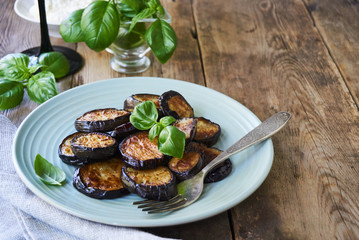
[263,131]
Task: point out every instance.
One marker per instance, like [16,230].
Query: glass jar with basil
[126,28]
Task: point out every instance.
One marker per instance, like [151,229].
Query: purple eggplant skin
[101,125]
[140,141]
[69,158]
[161,192]
[89,154]
[208,154]
[123,131]
[97,192]
[174,104]
[220,172]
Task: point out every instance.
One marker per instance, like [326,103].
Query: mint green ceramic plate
[43,130]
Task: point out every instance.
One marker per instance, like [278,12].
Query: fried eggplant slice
[101,180]
[65,151]
[207,132]
[187,166]
[156,184]
[188,126]
[124,130]
[174,104]
[101,120]
[140,152]
[94,146]
[132,101]
[208,154]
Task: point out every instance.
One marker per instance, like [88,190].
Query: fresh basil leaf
[152,4]
[126,11]
[145,13]
[100,24]
[162,39]
[42,87]
[47,172]
[155,131]
[134,5]
[56,63]
[144,116]
[161,10]
[15,67]
[167,120]
[34,68]
[11,94]
[171,141]
[156,5]
[70,28]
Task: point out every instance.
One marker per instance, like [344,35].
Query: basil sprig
[47,172]
[98,25]
[171,140]
[16,74]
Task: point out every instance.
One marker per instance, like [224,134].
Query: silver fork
[190,190]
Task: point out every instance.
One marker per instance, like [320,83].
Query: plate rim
[48,199]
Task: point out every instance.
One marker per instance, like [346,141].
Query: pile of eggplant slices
[114,158]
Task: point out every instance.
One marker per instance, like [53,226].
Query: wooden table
[300,56]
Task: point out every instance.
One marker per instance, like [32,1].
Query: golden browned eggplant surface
[103,175]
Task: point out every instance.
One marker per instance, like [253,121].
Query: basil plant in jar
[126,28]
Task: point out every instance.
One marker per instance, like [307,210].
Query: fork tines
[152,206]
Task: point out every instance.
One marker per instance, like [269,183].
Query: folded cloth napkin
[26,216]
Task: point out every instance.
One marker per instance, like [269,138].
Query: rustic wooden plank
[337,23]
[268,56]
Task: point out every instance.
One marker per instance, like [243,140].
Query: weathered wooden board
[270,57]
[338,24]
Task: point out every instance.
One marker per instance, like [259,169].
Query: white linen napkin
[26,216]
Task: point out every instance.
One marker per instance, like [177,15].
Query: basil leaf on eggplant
[188,126]
[171,141]
[144,116]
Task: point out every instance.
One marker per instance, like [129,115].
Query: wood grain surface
[300,56]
